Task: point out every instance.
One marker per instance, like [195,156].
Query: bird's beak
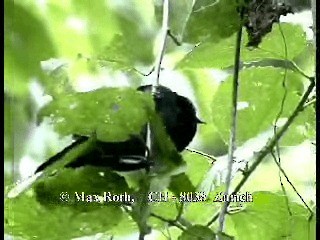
[200,122]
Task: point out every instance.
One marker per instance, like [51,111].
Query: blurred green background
[53,46]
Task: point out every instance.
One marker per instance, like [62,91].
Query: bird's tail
[23,185]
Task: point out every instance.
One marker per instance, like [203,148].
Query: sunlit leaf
[197,166]
[205,86]
[197,232]
[304,127]
[79,184]
[136,21]
[262,109]
[274,45]
[179,13]
[208,21]
[106,112]
[267,217]
[26,218]
[181,183]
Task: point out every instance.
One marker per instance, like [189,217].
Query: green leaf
[57,209]
[306,59]
[178,16]
[260,94]
[208,206]
[101,22]
[286,41]
[304,127]
[197,167]
[167,210]
[56,77]
[87,180]
[267,217]
[167,160]
[197,232]
[26,218]
[181,183]
[179,13]
[113,35]
[70,33]
[208,21]
[207,210]
[141,209]
[118,55]
[221,55]
[112,114]
[205,86]
[136,21]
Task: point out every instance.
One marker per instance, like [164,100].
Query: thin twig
[270,145]
[145,74]
[278,162]
[169,221]
[202,154]
[277,156]
[233,126]
[174,39]
[299,70]
[127,68]
[293,187]
[309,103]
[164,32]
[202,8]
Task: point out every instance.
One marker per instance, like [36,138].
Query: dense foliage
[63,44]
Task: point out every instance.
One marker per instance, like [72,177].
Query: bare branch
[233,128]
[213,158]
[169,221]
[174,39]
[273,141]
[164,32]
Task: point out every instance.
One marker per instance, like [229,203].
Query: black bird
[179,118]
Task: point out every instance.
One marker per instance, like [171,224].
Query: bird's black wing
[120,156]
[61,154]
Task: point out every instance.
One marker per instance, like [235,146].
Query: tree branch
[233,128]
[144,210]
[164,32]
[271,144]
[174,39]
[169,221]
